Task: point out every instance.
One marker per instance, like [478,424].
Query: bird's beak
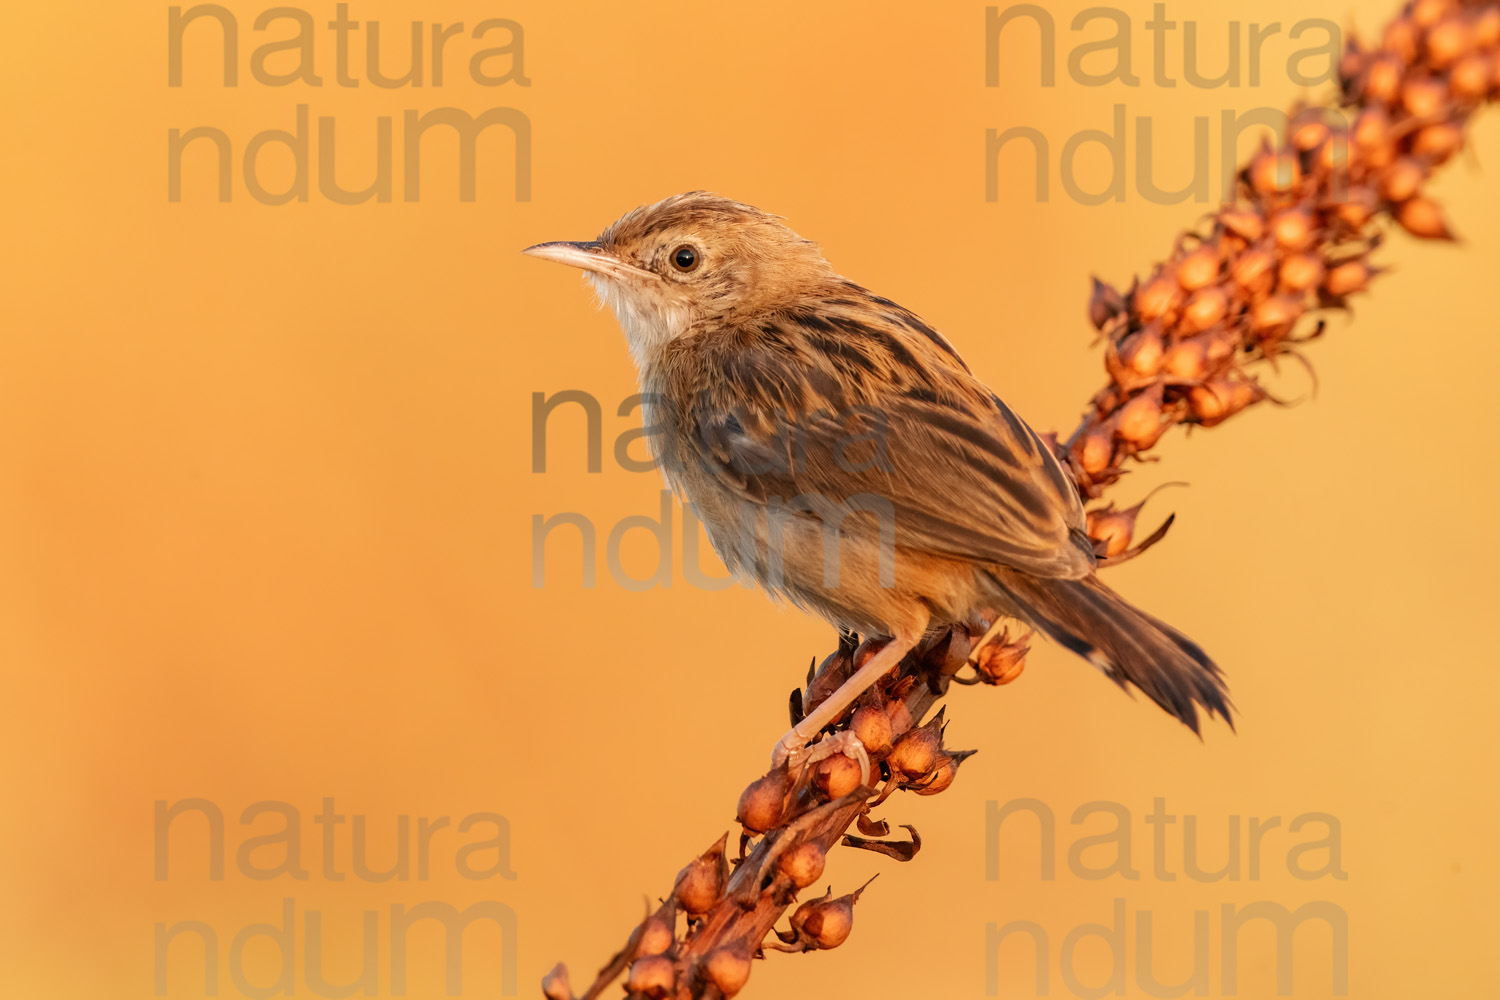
[590,256]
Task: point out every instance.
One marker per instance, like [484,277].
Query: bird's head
[692,261]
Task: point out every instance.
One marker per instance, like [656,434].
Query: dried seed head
[1203,310]
[1001,661]
[1421,217]
[1105,303]
[762,802]
[871,725]
[836,776]
[1139,420]
[651,976]
[1301,271]
[1347,278]
[1437,143]
[555,985]
[656,937]
[943,773]
[701,882]
[728,968]
[916,750]
[1423,98]
[803,864]
[1199,268]
[1402,179]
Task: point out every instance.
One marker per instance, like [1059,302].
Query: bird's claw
[792,752]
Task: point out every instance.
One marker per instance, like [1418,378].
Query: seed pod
[555,985]
[1158,296]
[1400,39]
[761,803]
[871,725]
[1242,222]
[1383,79]
[1301,271]
[1357,208]
[943,773]
[828,924]
[1347,278]
[1001,661]
[836,776]
[1487,29]
[1139,420]
[1274,173]
[651,976]
[701,882]
[1426,13]
[1449,41]
[1252,270]
[1437,143]
[1203,310]
[1310,134]
[1199,268]
[1111,529]
[916,750]
[1095,450]
[1423,98]
[1473,76]
[900,716]
[656,937]
[1333,153]
[1141,351]
[1371,130]
[1402,179]
[1294,228]
[803,864]
[1421,217]
[1273,317]
[728,968]
[1105,303]
[1220,400]
[1186,359]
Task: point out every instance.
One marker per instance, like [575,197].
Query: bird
[841,454]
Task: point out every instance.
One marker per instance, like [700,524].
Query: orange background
[265,521]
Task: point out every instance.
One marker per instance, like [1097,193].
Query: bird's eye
[685,258]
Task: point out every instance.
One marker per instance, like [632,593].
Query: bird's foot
[793,752]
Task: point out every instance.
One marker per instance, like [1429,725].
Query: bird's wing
[963,475]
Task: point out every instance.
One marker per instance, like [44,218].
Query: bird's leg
[792,746]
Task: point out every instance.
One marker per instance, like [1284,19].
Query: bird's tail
[1123,641]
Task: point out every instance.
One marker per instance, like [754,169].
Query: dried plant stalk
[1182,346]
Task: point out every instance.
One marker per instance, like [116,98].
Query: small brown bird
[839,451]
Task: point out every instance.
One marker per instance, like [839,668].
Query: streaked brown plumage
[792,407]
